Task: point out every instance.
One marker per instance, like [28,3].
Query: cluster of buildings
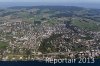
[24,40]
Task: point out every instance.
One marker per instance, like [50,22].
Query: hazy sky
[98,1]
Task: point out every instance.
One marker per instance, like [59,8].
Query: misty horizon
[86,5]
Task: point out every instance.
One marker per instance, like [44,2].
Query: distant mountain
[86,5]
[75,8]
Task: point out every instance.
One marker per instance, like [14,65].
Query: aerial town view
[40,32]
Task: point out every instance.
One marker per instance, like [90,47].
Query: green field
[3,45]
[89,25]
